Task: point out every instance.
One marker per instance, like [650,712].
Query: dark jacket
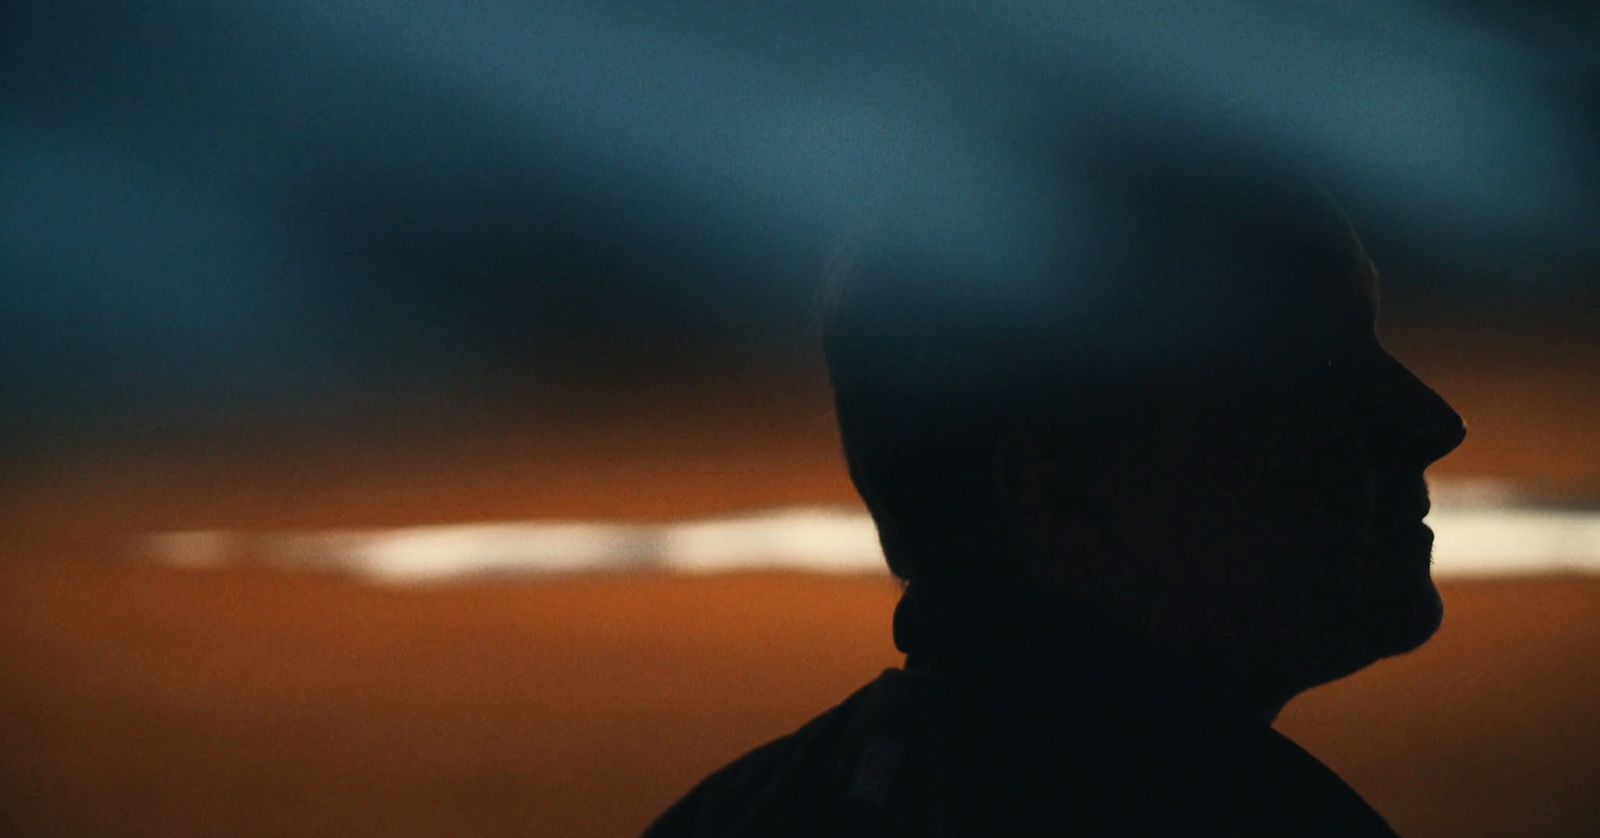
[1058,730]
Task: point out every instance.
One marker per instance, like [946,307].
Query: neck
[1259,701]
[1031,629]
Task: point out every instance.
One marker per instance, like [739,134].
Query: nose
[1412,425]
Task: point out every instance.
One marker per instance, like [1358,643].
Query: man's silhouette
[1142,495]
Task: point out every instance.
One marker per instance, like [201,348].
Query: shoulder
[858,769]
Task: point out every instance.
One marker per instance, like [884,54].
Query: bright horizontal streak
[434,552]
[1487,542]
[1472,539]
[799,539]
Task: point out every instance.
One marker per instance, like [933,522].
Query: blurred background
[411,419]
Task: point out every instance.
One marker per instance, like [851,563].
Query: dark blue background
[282,209]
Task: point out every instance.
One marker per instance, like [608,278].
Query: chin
[1396,620]
[1429,613]
[1374,625]
[1412,618]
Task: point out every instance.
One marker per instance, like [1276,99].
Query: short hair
[1157,279]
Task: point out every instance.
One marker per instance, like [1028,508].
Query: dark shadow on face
[1181,421]
[1258,517]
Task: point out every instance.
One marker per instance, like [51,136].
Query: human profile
[1139,501]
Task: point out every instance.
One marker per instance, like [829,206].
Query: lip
[1410,545]
[1403,498]
[1420,540]
[1405,526]
[1418,511]
[1408,516]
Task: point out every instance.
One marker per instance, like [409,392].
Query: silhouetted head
[1184,423]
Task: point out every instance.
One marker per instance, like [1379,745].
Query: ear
[1047,500]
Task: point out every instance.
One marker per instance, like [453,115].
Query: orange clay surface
[141,701]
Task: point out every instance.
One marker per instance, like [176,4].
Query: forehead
[1368,282]
[1184,287]
[1238,277]
[1336,286]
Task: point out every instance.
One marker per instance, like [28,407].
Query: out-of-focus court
[148,700]
[156,702]
[280,278]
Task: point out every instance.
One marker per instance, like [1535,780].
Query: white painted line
[1471,539]
[1492,542]
[817,540]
